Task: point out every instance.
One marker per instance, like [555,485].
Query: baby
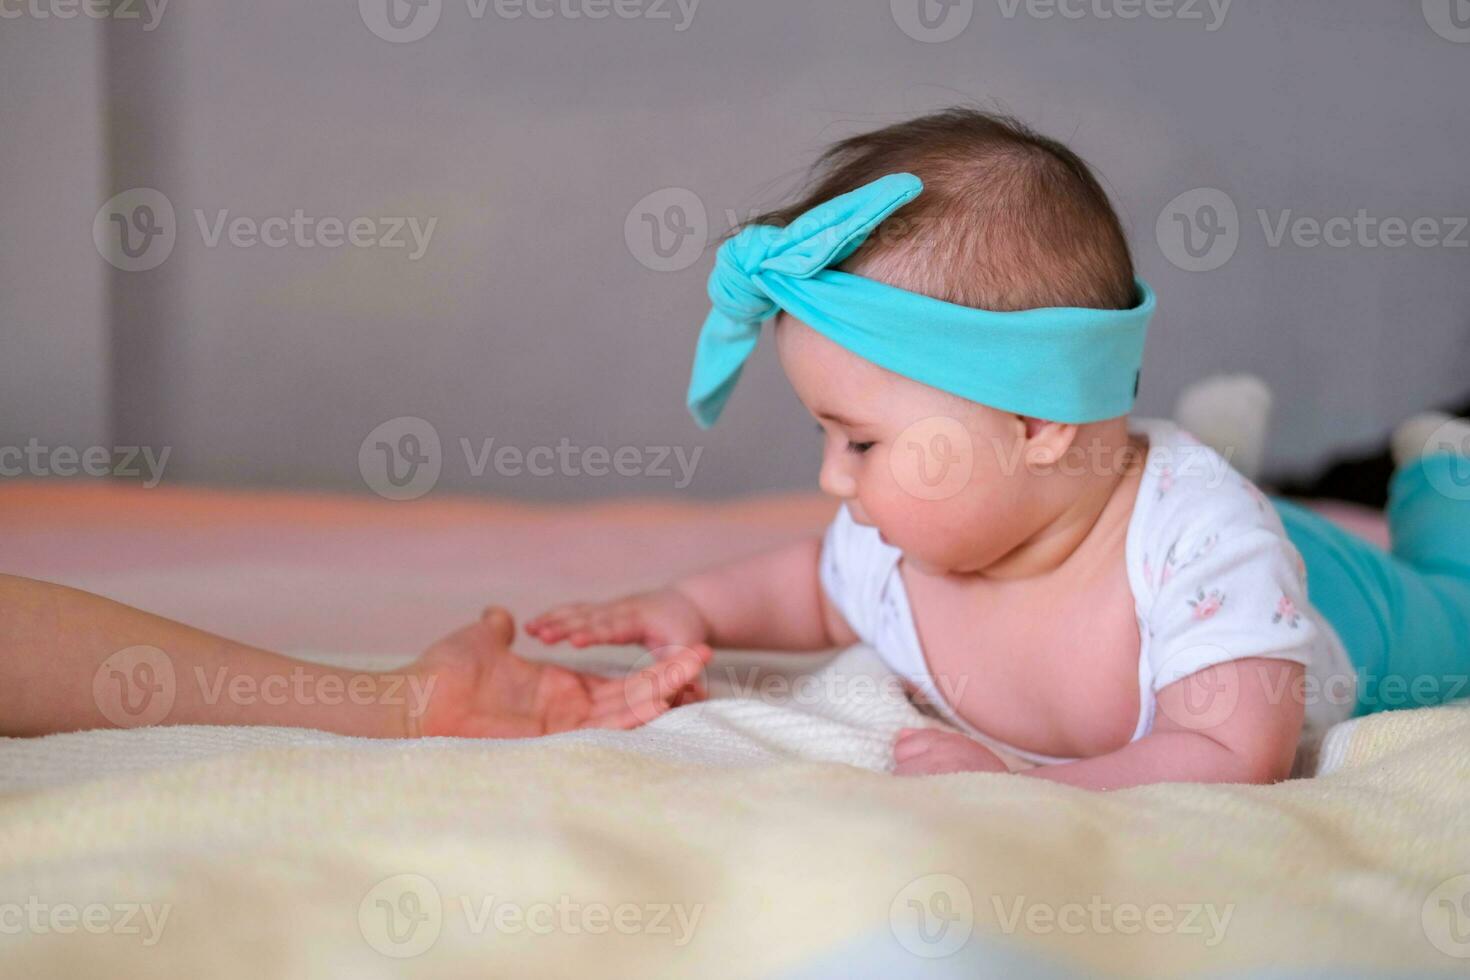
[955,304]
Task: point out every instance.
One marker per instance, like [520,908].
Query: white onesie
[1213,575]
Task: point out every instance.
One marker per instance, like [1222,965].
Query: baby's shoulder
[1190,493]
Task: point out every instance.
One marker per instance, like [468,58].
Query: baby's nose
[836,483]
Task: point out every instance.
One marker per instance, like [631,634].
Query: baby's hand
[929,751]
[662,618]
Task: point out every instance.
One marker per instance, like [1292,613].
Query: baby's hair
[1008,220]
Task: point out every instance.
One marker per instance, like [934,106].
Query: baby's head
[1008,220]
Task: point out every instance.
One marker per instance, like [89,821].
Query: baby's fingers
[559,623]
[585,624]
[608,625]
[913,742]
[929,751]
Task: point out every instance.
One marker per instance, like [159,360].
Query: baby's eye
[858,447]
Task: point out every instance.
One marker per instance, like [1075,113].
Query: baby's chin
[920,565]
[920,562]
[940,560]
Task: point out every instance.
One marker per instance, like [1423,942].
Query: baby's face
[940,477]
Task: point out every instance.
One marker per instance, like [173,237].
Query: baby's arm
[769,601]
[1235,722]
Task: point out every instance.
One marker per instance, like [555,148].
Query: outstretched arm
[1235,722]
[70,660]
[769,601]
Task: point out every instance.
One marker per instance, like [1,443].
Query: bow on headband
[1061,364]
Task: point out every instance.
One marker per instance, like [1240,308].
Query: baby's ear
[1047,442]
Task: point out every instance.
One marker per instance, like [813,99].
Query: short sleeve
[1226,584]
[853,568]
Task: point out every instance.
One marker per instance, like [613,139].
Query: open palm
[480,689]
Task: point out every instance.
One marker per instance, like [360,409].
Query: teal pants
[1403,614]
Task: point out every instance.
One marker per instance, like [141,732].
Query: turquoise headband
[1063,364]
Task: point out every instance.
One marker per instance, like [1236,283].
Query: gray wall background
[531,318]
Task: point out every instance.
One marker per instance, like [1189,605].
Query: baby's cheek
[932,460]
[920,528]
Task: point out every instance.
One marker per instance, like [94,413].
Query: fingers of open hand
[650,692]
[693,693]
[667,676]
[582,624]
[929,751]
